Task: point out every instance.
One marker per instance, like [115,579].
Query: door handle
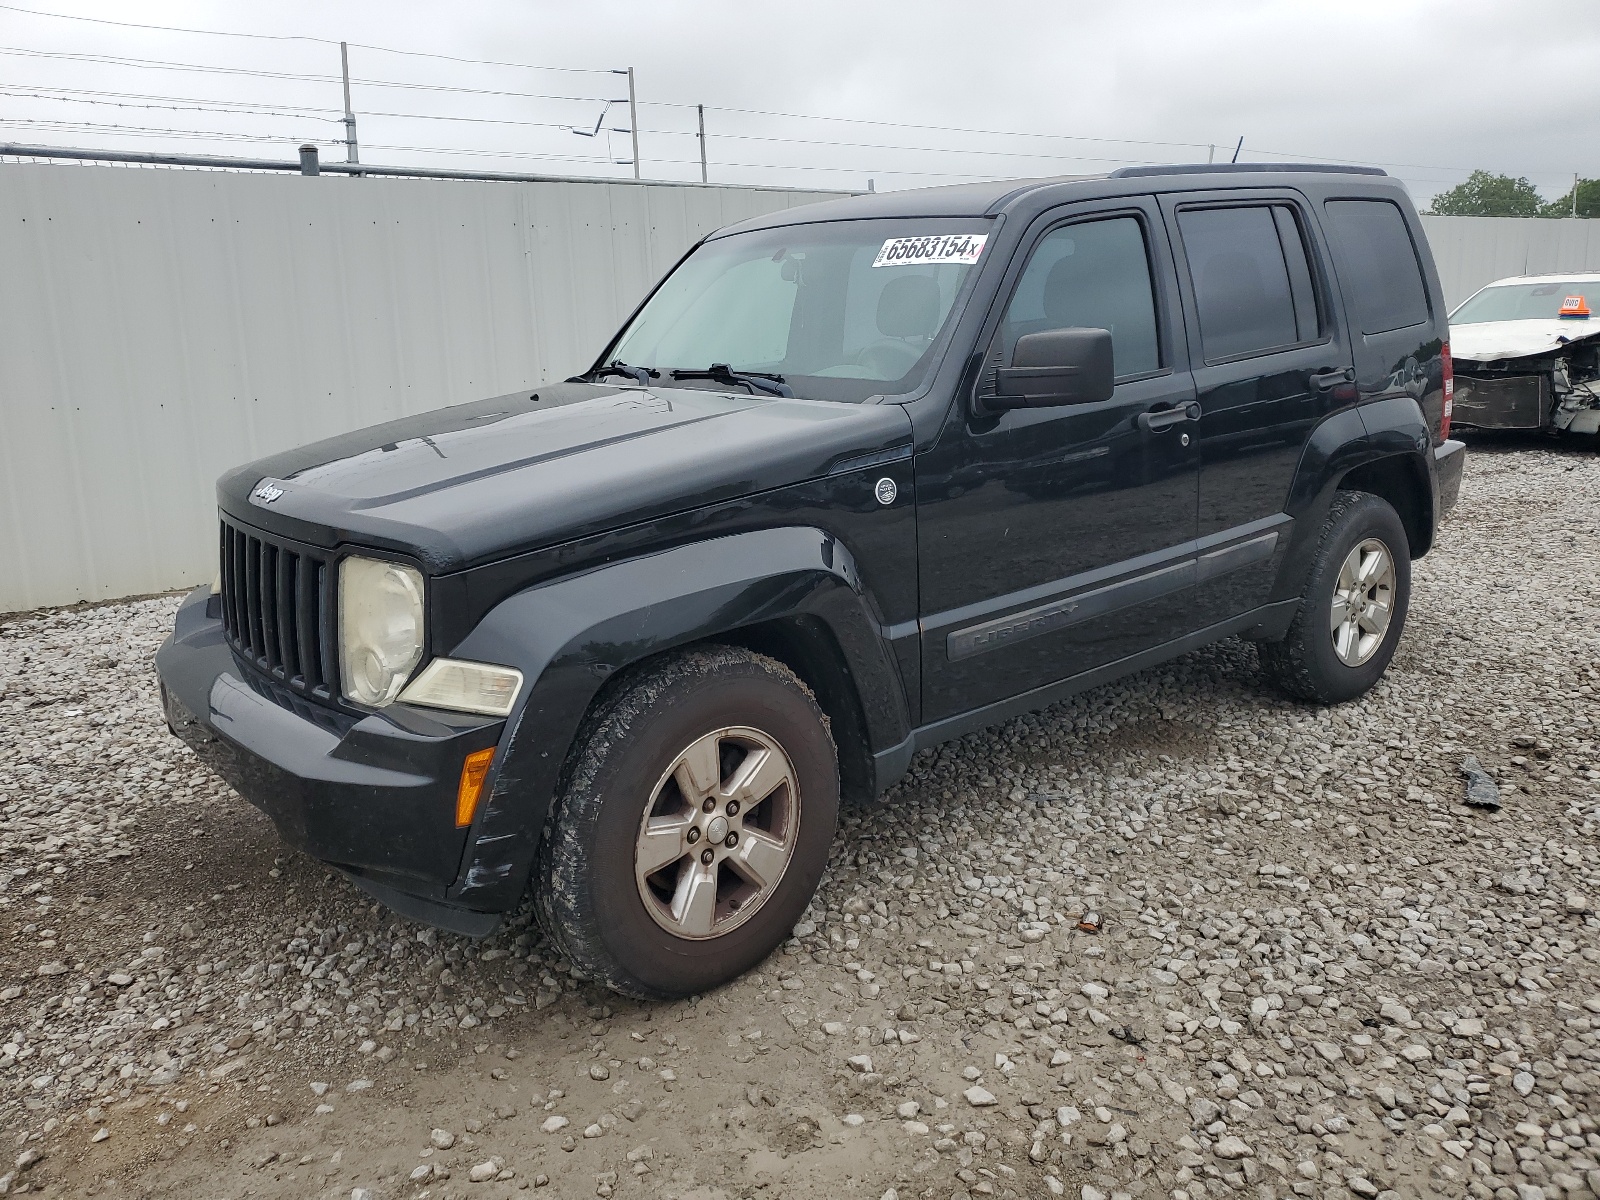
[1152,422]
[1331,379]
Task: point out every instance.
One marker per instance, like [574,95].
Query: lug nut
[733,808]
[733,840]
[707,855]
[708,805]
[694,836]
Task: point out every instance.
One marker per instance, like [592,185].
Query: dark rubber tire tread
[1303,664]
[585,894]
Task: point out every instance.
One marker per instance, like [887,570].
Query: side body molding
[570,635]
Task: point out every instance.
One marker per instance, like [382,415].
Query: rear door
[1269,363]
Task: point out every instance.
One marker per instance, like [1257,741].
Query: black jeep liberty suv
[855,478]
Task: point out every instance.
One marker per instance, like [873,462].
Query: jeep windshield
[840,310]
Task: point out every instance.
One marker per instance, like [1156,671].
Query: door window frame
[1321,289]
[1171,343]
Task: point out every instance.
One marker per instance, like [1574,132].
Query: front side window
[1252,279]
[1091,275]
[841,310]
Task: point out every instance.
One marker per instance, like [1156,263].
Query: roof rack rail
[1235,168]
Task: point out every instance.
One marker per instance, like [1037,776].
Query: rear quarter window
[1378,265]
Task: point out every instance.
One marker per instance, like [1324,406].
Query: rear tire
[713,753]
[1361,575]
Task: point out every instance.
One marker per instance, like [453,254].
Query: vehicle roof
[1545,276]
[995,196]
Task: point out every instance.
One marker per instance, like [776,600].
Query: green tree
[1486,195]
[1588,201]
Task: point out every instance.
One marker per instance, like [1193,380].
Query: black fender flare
[1391,428]
[570,635]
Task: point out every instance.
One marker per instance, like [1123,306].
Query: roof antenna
[1237,148]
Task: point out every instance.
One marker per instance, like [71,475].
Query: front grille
[278,610]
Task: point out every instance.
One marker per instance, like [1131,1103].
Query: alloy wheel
[718,833]
[1363,602]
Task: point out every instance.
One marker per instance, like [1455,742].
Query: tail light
[1449,374]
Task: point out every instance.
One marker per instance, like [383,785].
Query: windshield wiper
[640,375]
[756,381]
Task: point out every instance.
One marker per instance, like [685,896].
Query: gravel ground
[1175,938]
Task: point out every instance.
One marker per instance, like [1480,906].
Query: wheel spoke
[757,777]
[1340,612]
[694,904]
[699,769]
[661,844]
[1350,573]
[1345,641]
[1374,564]
[760,859]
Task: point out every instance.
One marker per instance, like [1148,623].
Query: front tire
[1353,609]
[694,824]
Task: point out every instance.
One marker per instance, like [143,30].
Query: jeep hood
[1488,341]
[467,485]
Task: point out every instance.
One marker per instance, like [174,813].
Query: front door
[1055,540]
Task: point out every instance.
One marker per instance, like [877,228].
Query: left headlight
[380,628]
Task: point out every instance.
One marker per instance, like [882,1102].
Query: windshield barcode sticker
[962,248]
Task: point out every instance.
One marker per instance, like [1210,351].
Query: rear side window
[1096,275]
[1378,265]
[1252,280]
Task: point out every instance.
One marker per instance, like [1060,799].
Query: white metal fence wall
[1473,251]
[160,326]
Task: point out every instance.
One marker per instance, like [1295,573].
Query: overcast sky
[1429,90]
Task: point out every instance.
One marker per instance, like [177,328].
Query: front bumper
[372,794]
[1449,457]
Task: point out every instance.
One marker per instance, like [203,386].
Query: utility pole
[700,110]
[1574,193]
[1211,153]
[633,122]
[351,153]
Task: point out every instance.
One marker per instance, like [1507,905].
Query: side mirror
[1056,367]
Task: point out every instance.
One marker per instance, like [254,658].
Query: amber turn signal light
[473,772]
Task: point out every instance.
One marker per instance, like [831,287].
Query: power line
[69,92]
[241,110]
[296,37]
[165,65]
[1028,134]
[756,137]
[1071,137]
[93,127]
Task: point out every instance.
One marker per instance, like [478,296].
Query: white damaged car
[1527,355]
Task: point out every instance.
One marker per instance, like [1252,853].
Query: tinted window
[1249,298]
[1377,265]
[1093,275]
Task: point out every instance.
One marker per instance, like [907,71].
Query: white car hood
[1486,341]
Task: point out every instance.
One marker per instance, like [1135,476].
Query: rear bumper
[1449,458]
[373,794]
